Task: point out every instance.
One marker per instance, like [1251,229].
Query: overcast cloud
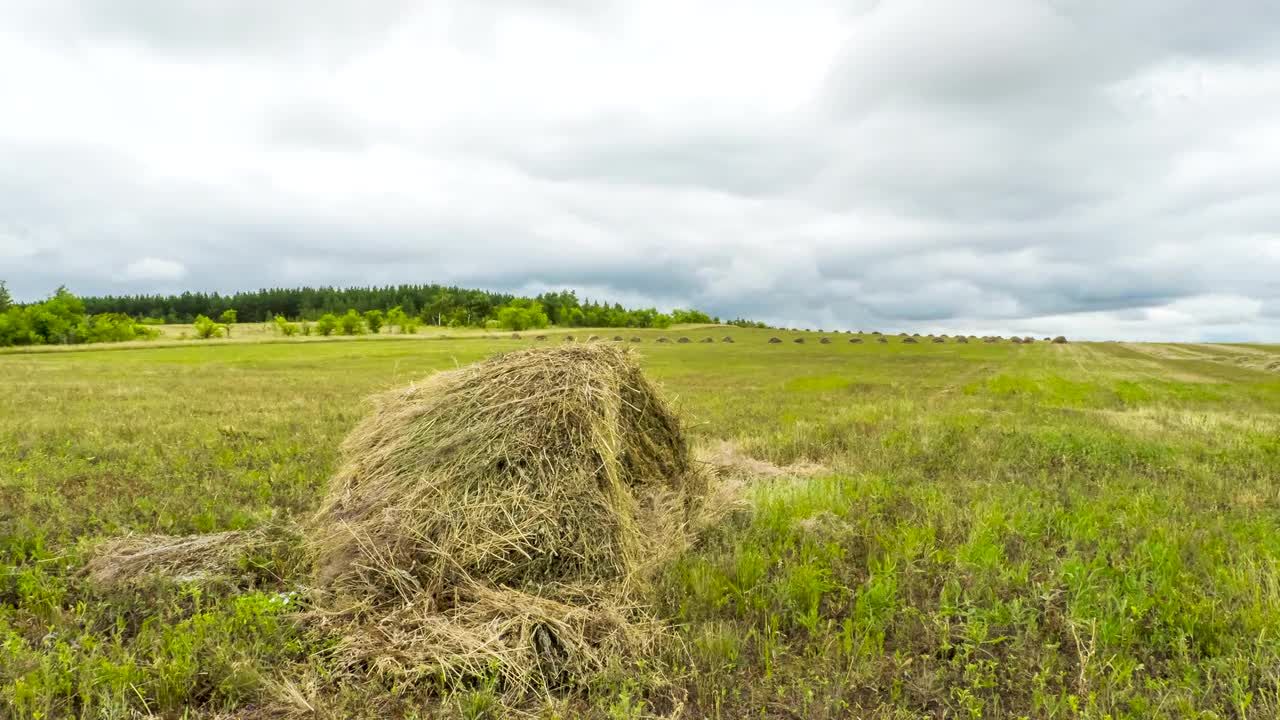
[1087,167]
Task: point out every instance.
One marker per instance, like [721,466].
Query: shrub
[375,320]
[351,323]
[206,328]
[327,324]
[284,327]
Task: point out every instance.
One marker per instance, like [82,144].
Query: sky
[1092,168]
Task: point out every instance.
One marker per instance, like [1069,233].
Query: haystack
[593,338]
[502,517]
[990,339]
[962,339]
[939,340]
[798,340]
[855,340]
[664,340]
[774,341]
[617,338]
[707,340]
[684,340]
[515,336]
[883,340]
[726,339]
[635,338]
[910,340]
[825,341]
[1060,340]
[541,337]
[568,338]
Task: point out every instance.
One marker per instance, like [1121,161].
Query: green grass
[1001,531]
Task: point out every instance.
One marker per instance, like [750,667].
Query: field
[960,531]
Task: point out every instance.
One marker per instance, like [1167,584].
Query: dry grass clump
[962,339]
[501,519]
[939,340]
[684,340]
[593,338]
[568,338]
[635,338]
[541,337]
[882,340]
[664,339]
[617,338]
[217,557]
[707,340]
[910,340]
[855,340]
[774,340]
[726,339]
[825,341]
[515,336]
[799,340]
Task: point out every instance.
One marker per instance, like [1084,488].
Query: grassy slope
[1044,531]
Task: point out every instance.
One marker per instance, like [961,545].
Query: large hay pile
[502,518]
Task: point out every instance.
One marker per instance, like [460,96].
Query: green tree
[327,324]
[526,315]
[351,323]
[228,318]
[375,320]
[5,298]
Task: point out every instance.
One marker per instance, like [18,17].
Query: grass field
[1043,531]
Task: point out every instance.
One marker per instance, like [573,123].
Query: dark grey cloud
[1030,166]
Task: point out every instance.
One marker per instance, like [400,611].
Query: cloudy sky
[1087,167]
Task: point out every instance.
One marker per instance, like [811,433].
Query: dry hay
[910,340]
[855,340]
[1060,340]
[617,338]
[707,340]
[1028,340]
[568,338]
[515,336]
[664,340]
[825,341]
[774,340]
[939,340]
[726,339]
[962,339]
[684,340]
[798,340]
[882,339]
[593,338]
[635,338]
[991,339]
[728,461]
[502,519]
[203,559]
[541,337]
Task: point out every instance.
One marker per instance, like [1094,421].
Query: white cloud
[150,268]
[1039,166]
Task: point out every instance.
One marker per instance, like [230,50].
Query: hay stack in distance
[707,339]
[825,341]
[498,517]
[774,341]
[962,339]
[798,340]
[882,339]
[1060,340]
[617,338]
[664,339]
[515,336]
[855,340]
[568,338]
[910,340]
[541,337]
[726,339]
[939,340]
[684,340]
[635,338]
[593,338]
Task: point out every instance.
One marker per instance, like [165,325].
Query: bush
[206,328]
[522,316]
[375,320]
[351,323]
[327,324]
[284,327]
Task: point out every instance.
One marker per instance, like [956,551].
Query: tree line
[430,304]
[64,318]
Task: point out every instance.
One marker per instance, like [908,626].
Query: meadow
[1089,530]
